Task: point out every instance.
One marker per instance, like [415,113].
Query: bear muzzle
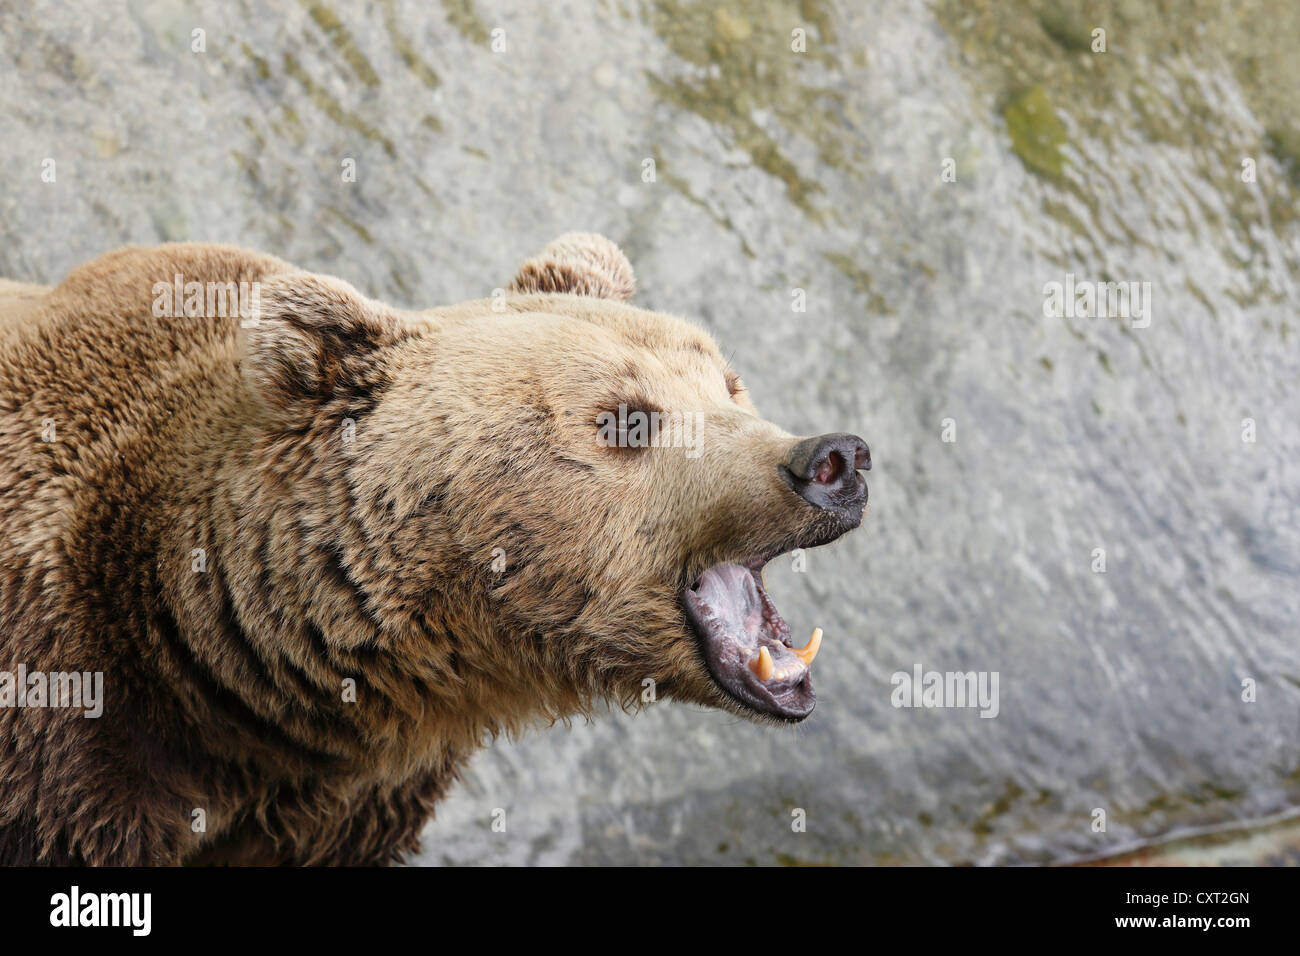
[745,642]
[823,471]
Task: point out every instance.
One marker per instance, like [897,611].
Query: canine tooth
[762,665]
[762,576]
[814,645]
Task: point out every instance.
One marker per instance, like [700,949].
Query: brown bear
[270,574]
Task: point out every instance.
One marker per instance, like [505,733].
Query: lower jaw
[790,711]
[746,644]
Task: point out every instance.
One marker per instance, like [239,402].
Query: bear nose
[824,472]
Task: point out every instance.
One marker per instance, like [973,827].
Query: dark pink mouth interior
[736,620]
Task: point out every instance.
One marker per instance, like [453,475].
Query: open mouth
[747,643]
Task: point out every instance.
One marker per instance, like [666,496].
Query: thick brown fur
[412,504]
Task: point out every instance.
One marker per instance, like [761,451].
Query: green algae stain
[861,280]
[747,82]
[462,15]
[1068,26]
[1037,133]
[362,232]
[1284,143]
[331,107]
[342,41]
[407,49]
[1011,795]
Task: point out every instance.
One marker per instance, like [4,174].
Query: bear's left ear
[580,263]
[312,338]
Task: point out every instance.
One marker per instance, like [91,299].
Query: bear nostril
[830,469]
[824,472]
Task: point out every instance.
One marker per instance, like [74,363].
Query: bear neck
[353,660]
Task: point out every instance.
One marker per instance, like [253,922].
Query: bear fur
[322,555]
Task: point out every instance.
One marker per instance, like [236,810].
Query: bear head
[548,498]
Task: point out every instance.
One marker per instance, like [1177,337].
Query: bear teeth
[764,668]
[807,654]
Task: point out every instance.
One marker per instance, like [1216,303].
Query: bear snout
[823,471]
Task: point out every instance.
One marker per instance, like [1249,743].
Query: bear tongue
[728,595]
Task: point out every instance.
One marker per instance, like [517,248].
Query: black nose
[824,472]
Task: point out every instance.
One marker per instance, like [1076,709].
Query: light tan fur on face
[355,476]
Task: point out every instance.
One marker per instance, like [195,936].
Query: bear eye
[627,424]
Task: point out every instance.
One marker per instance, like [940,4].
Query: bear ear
[312,338]
[581,263]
